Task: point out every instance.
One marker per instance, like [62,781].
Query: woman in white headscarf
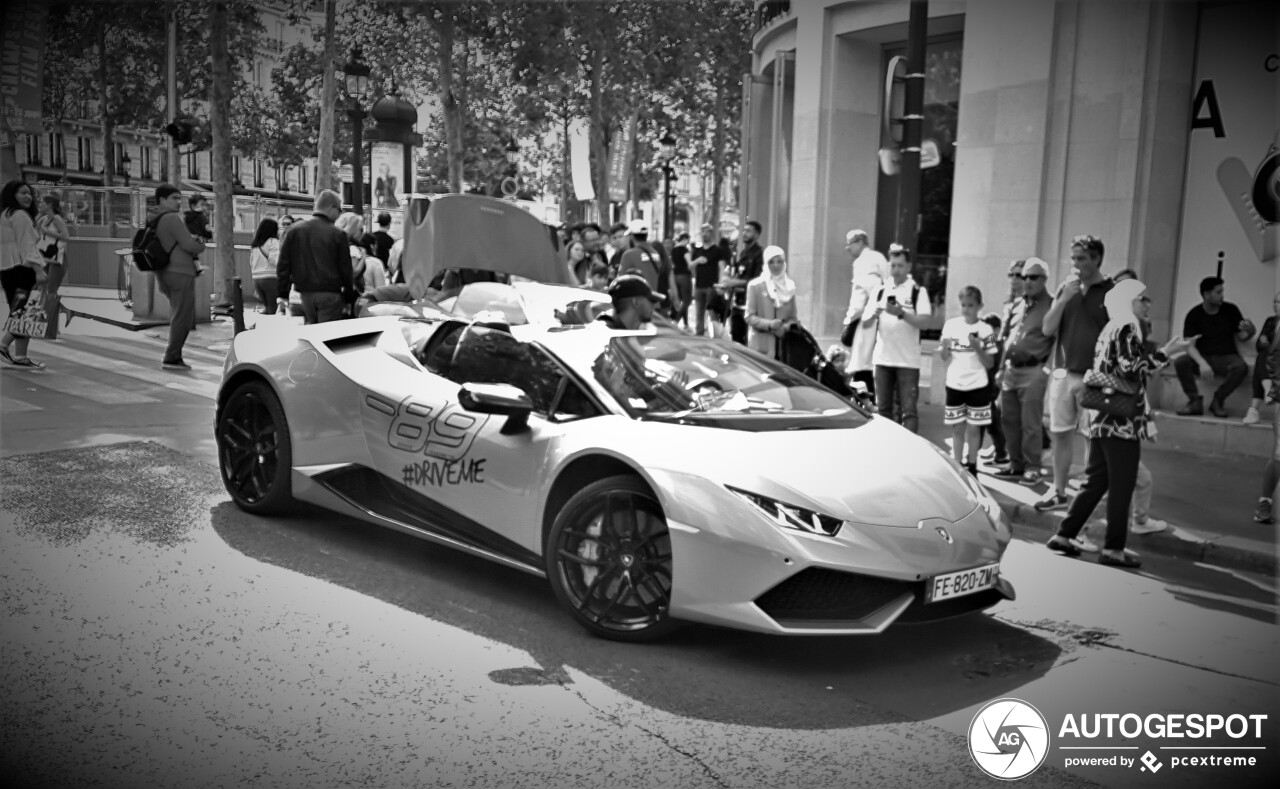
[1115,442]
[771,303]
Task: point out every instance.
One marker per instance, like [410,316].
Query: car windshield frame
[675,378]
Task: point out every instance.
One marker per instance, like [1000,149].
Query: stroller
[799,350]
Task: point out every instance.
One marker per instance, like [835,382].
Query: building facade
[1150,124]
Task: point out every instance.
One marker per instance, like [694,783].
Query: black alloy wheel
[609,560]
[254,451]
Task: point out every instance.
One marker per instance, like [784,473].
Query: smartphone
[892,300]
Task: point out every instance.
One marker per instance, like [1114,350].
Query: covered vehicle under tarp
[476,232]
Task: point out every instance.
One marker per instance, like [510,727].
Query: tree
[328,94]
[220,122]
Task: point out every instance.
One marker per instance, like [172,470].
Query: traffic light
[181,129]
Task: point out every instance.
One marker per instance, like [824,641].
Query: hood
[879,474]
[156,210]
[476,232]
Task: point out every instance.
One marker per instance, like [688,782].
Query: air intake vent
[818,594]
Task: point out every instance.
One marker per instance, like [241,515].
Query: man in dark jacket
[316,259]
[748,266]
[177,281]
[382,240]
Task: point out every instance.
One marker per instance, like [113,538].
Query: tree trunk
[566,174]
[717,157]
[599,142]
[451,99]
[220,122]
[104,111]
[328,96]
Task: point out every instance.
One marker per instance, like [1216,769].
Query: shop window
[258,173]
[84,149]
[144,160]
[33,148]
[56,155]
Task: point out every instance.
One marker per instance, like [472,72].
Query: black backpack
[148,253]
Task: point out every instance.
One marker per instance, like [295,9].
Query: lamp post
[668,145]
[125,161]
[356,81]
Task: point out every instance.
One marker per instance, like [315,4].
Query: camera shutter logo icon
[1008,739]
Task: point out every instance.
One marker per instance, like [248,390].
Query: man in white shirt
[869,272]
[900,310]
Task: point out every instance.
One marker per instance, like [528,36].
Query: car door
[419,436]
[517,465]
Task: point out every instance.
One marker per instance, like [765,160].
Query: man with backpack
[901,310]
[175,269]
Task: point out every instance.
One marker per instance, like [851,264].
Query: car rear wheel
[609,560]
[254,451]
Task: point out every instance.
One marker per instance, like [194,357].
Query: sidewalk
[1208,500]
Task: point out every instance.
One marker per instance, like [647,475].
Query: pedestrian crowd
[1075,359]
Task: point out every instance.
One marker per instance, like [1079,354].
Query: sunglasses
[1029,276]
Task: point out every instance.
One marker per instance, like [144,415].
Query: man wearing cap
[633,303]
[748,266]
[1023,379]
[870,269]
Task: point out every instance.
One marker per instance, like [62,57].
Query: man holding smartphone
[900,310]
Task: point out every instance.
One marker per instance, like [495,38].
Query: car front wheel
[609,560]
[254,451]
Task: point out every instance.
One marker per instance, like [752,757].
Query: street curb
[1227,553]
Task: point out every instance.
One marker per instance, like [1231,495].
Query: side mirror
[501,399]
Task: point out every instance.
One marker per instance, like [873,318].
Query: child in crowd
[968,350]
[598,279]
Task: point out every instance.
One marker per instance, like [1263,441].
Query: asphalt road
[154,635]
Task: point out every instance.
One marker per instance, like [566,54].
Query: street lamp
[356,79]
[668,147]
[125,161]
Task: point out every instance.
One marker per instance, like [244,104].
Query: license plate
[945,587]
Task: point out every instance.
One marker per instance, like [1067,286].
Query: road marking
[90,390]
[141,353]
[192,385]
[18,406]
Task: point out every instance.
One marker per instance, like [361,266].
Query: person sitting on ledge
[1215,325]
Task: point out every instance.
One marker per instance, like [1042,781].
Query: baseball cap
[629,285]
[855,234]
[1035,266]
[637,227]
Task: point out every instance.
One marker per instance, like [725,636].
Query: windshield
[672,377]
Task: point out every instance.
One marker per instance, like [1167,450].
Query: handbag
[1112,395]
[36,318]
[846,334]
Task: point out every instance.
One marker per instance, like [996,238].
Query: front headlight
[789,516]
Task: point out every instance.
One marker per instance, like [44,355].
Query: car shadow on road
[909,673]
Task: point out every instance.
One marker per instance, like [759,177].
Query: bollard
[237,306]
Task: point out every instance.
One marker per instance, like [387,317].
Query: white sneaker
[1151,526]
[1085,544]
[1250,416]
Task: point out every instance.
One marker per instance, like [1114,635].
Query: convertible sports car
[651,477]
